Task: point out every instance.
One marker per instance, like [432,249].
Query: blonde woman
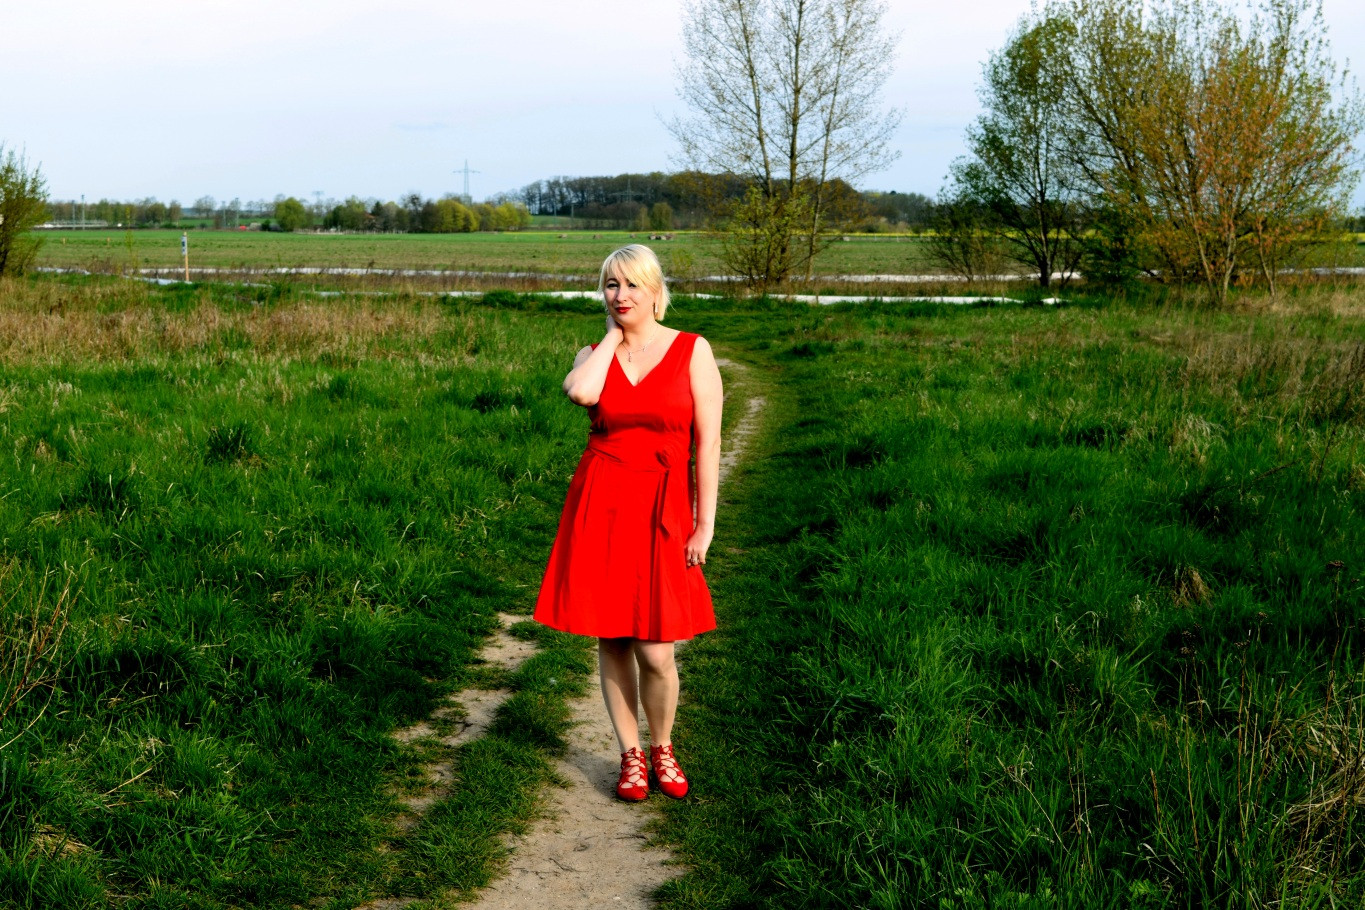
[639,518]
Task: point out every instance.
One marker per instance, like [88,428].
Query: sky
[332,98]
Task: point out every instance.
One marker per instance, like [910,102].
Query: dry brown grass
[101,322]
[1320,380]
[1329,748]
[32,624]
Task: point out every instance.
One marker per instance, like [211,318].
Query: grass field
[575,253]
[1020,606]
[286,526]
[1038,608]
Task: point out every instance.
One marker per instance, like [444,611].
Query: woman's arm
[707,396]
[584,383]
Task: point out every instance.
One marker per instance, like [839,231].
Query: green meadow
[1038,607]
[285,528]
[536,260]
[571,253]
[1020,606]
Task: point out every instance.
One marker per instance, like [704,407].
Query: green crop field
[530,260]
[1020,606]
[576,253]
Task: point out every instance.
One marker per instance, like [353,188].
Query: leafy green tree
[486,216]
[291,214]
[661,217]
[1223,140]
[23,206]
[1021,165]
[512,216]
[756,242]
[347,216]
[964,235]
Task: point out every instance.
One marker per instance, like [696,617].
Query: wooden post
[185,251]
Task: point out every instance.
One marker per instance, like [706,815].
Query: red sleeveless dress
[618,567]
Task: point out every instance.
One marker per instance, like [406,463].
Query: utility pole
[466,171]
[629,194]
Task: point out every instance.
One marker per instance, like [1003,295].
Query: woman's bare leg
[658,688]
[620,688]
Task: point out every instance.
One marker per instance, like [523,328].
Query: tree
[1021,167]
[784,93]
[1224,142]
[661,217]
[23,205]
[756,241]
[347,216]
[963,236]
[291,214]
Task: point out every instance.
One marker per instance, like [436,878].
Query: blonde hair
[638,265]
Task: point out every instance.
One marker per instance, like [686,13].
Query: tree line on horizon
[412,213]
[693,199]
[653,201]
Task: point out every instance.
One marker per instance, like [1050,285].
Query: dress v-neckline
[652,370]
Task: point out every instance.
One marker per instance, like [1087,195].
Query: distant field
[562,258]
[571,253]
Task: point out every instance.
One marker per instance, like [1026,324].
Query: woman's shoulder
[690,339]
[696,342]
[700,357]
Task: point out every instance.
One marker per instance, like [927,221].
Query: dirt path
[586,849]
[589,849]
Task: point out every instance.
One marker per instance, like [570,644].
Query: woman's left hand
[697,545]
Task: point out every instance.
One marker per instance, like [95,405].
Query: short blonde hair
[638,265]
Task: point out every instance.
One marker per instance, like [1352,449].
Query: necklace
[629,352]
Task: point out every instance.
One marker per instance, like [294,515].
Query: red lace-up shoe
[667,774]
[633,785]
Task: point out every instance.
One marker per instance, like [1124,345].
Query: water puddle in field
[158,276]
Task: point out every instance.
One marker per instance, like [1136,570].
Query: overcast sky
[251,98]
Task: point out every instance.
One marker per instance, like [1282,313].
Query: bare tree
[23,205]
[852,135]
[784,93]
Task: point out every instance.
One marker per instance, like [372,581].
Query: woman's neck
[641,335]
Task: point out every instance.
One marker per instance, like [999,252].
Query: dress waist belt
[665,463]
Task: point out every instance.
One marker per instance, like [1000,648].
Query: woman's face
[629,304]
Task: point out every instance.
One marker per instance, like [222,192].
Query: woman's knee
[655,657]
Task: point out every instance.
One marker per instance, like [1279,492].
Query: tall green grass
[287,526]
[1020,606]
[1038,608]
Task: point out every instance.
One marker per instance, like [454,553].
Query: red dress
[618,568]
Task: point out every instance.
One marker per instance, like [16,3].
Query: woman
[626,563]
